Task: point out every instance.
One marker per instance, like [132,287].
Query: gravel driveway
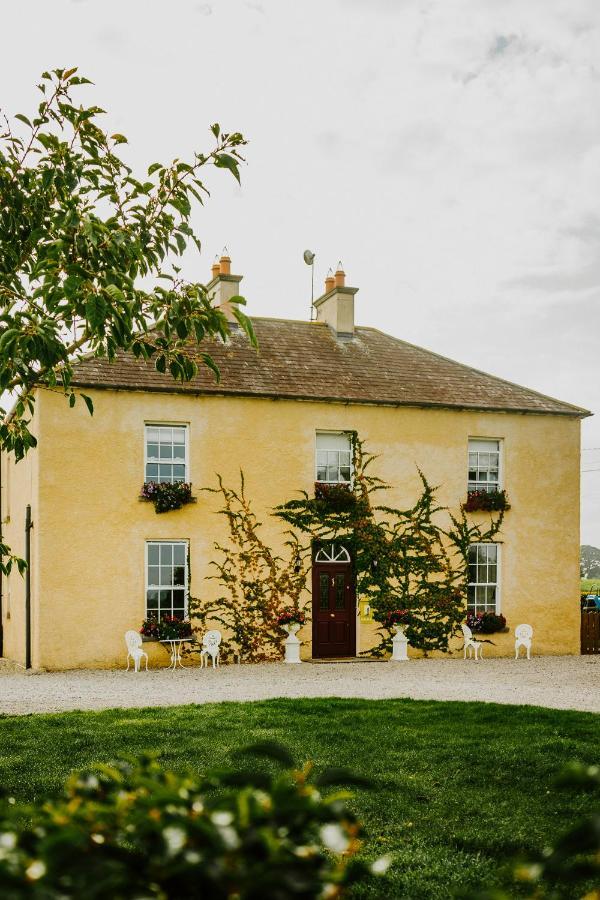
[559,682]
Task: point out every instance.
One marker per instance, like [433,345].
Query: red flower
[398,617]
[289,616]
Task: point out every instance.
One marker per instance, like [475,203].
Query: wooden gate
[590,631]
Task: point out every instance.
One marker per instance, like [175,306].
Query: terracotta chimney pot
[216,269]
[340,276]
[225,265]
[329,282]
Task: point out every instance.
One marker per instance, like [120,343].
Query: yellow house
[100,559]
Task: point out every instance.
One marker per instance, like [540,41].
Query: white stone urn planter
[292,644]
[399,644]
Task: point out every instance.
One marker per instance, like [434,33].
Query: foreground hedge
[135,830]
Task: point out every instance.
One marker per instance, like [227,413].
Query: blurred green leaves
[132,829]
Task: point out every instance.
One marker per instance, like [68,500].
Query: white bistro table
[175,650]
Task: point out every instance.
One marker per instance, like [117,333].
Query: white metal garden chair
[471,644]
[210,647]
[523,636]
[134,650]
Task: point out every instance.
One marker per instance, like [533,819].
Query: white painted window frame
[336,431]
[500,441]
[180,542]
[498,583]
[336,555]
[185,426]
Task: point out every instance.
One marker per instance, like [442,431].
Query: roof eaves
[574,412]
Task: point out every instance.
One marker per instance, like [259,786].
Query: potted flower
[172,627]
[168,628]
[291,620]
[149,629]
[486,622]
[166,495]
[486,501]
[397,620]
[338,496]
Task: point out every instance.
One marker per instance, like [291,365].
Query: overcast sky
[447,151]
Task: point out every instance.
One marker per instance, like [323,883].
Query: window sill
[478,635]
[187,502]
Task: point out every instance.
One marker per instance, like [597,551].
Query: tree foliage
[412,559]
[84,248]
[132,829]
[86,256]
[255,582]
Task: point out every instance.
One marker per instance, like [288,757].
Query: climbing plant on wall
[254,581]
[413,559]
[426,568]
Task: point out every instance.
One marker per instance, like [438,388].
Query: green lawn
[457,785]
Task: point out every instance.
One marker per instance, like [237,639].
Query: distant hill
[590,561]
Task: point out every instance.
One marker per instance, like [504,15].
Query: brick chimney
[336,305]
[224,285]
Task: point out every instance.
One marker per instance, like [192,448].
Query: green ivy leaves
[411,559]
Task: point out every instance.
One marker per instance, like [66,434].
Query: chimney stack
[224,285]
[336,306]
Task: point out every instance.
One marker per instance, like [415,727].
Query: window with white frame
[334,457]
[484,465]
[483,589]
[166,453]
[166,579]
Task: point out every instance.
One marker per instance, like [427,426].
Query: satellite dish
[308,257]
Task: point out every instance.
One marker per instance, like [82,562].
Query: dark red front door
[334,611]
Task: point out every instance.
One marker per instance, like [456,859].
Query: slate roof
[306,361]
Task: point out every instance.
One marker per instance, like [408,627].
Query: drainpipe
[28,527]
[1,578]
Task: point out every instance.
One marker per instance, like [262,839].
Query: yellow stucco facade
[90,528]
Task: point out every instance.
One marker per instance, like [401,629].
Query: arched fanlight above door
[332,553]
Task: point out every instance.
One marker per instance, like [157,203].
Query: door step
[346,659]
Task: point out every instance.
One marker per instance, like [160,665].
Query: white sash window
[483,593]
[166,579]
[334,457]
[166,452]
[484,465]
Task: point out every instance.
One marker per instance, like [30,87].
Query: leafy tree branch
[86,250]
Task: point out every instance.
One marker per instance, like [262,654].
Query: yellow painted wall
[91,527]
